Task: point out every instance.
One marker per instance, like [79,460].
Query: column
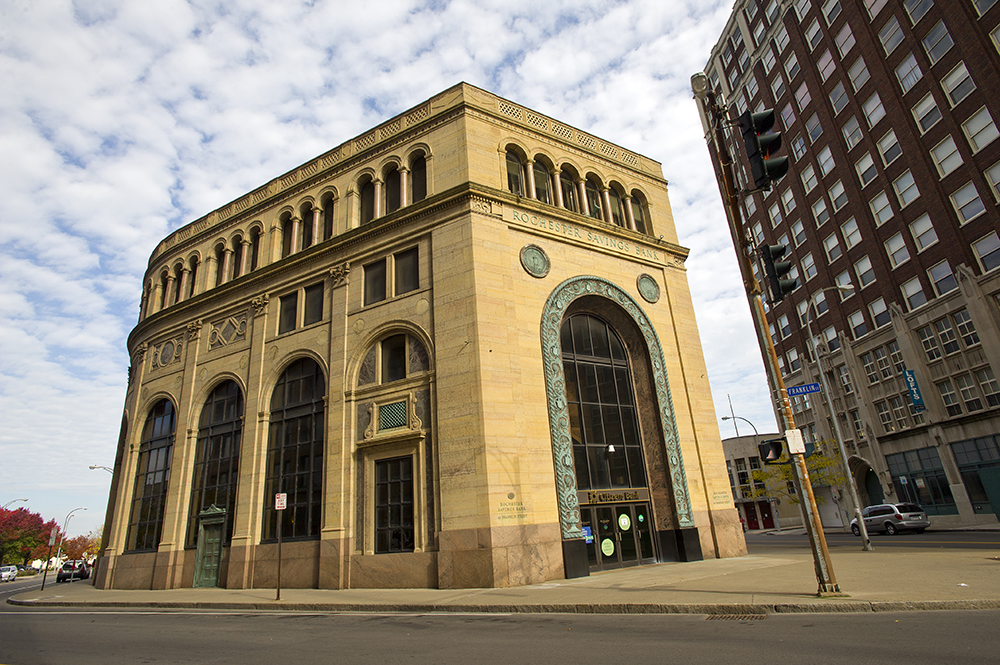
[210,272]
[404,186]
[157,296]
[245,256]
[630,218]
[606,209]
[227,265]
[557,190]
[529,170]
[581,188]
[296,235]
[317,222]
[169,296]
[377,212]
[185,283]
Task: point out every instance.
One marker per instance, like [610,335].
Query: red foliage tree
[23,535]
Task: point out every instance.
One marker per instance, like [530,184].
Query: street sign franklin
[804,390]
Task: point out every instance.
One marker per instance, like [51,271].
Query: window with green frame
[919,477]
[971,456]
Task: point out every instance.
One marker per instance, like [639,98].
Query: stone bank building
[462,346]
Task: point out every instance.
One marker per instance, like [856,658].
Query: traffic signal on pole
[777,271]
[760,145]
[771,450]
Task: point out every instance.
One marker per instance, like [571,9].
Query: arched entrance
[613,508]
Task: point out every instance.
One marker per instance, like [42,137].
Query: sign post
[52,541]
[280,501]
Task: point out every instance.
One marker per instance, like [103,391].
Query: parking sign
[280,501]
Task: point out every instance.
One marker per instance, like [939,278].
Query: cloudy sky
[123,120]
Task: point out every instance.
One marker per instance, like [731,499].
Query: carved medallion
[648,288]
[535,261]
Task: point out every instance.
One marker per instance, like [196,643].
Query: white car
[8,573]
[891,518]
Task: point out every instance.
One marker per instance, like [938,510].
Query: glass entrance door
[618,535]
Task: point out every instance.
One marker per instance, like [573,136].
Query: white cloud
[138,117]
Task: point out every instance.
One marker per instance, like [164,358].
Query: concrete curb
[849,606]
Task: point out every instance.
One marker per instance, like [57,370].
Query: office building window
[913,293]
[852,235]
[980,129]
[917,8]
[792,66]
[946,156]
[831,10]
[831,245]
[152,478]
[926,112]
[942,278]
[825,159]
[394,510]
[802,96]
[826,65]
[813,34]
[958,84]
[858,73]
[993,176]
[937,42]
[889,148]
[988,251]
[808,176]
[814,128]
[798,147]
[967,203]
[879,312]
[966,328]
[874,7]
[873,109]
[838,196]
[983,6]
[906,189]
[881,209]
[890,35]
[838,98]
[895,247]
[923,232]
[866,169]
[778,86]
[930,343]
[809,266]
[820,212]
[949,397]
[845,40]
[852,132]
[863,269]
[787,115]
[798,232]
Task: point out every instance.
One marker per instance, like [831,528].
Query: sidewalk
[782,581]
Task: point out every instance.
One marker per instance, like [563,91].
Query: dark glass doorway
[618,535]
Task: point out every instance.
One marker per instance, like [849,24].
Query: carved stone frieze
[340,273]
[167,352]
[227,331]
[259,304]
[194,329]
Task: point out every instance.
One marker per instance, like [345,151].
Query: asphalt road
[50,637]
[989,540]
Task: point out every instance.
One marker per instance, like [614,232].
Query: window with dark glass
[568,188]
[217,458]
[637,214]
[515,174]
[328,219]
[593,199]
[367,202]
[394,505]
[604,425]
[313,311]
[375,282]
[418,179]
[287,312]
[617,212]
[152,478]
[392,191]
[543,185]
[919,478]
[407,271]
[393,358]
[295,452]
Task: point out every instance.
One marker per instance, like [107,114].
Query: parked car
[891,518]
[73,570]
[8,573]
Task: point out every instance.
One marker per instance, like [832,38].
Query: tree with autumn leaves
[24,536]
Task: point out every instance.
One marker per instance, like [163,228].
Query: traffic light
[771,451]
[776,271]
[760,146]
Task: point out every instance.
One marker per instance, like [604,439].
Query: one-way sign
[804,390]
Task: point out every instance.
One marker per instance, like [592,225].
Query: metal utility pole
[866,543]
[796,449]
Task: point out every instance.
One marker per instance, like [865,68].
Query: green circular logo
[607,547]
[624,523]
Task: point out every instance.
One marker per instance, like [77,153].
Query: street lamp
[756,436]
[866,543]
[10,502]
[98,466]
[65,526]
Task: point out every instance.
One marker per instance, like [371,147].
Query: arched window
[237,256]
[392,190]
[220,264]
[193,277]
[593,189]
[607,448]
[286,234]
[367,201]
[418,179]
[515,174]
[393,358]
[617,210]
[543,183]
[164,294]
[178,295]
[152,478]
[328,218]
[637,207]
[307,226]
[217,458]
[254,248]
[568,186]
[295,452]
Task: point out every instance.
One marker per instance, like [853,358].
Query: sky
[122,121]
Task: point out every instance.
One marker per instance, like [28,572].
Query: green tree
[22,534]
[824,469]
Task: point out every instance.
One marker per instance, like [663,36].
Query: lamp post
[65,526]
[723,163]
[98,466]
[866,543]
[10,502]
[58,551]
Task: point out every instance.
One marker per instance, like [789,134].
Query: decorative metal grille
[392,416]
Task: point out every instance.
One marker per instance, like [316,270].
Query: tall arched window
[367,201]
[515,173]
[295,452]
[617,210]
[220,264]
[217,458]
[237,256]
[543,183]
[418,179]
[254,248]
[307,226]
[193,277]
[593,189]
[328,218]
[392,190]
[604,425]
[152,478]
[637,207]
[568,186]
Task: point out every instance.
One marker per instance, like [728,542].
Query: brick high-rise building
[888,113]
